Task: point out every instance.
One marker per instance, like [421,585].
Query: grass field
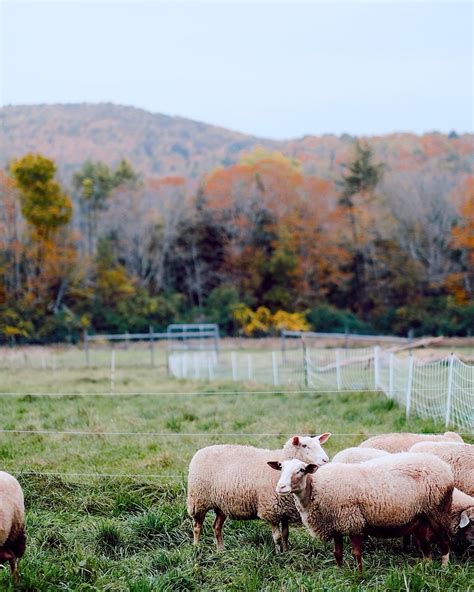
[132,533]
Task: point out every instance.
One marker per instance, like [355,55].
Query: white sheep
[460,457]
[403,441]
[358,455]
[12,522]
[233,481]
[390,496]
[462,517]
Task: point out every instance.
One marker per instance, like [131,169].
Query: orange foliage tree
[279,247]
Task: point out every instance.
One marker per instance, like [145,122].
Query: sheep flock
[415,486]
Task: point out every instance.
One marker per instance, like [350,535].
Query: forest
[257,245]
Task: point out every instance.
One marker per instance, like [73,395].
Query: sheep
[358,455]
[12,522]
[385,497]
[460,457]
[233,481]
[402,442]
[462,517]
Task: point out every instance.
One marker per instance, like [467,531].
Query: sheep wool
[381,494]
[462,517]
[402,442]
[358,455]
[12,522]
[460,457]
[235,482]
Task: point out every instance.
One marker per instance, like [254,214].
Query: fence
[178,336]
[441,390]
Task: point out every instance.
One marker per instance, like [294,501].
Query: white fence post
[376,367]
[390,376]
[183,365]
[306,367]
[450,389]
[233,358]
[338,370]
[112,371]
[409,386]
[209,368]
[249,367]
[274,369]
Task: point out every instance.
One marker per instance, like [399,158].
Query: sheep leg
[444,546]
[218,524]
[406,543]
[277,537]
[14,569]
[284,534]
[338,549]
[7,555]
[425,547]
[356,543]
[198,520]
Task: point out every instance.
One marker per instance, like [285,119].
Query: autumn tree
[94,183]
[462,282]
[43,203]
[357,202]
[49,250]
[280,250]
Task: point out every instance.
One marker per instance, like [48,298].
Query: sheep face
[466,525]
[293,475]
[307,449]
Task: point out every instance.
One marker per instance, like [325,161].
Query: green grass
[133,534]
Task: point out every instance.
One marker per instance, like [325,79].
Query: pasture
[131,532]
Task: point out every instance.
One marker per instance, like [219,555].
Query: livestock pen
[104,474]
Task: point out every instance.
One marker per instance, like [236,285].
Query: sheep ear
[323,438]
[464,521]
[310,468]
[274,464]
[295,441]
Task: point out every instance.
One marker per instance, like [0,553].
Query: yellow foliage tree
[262,322]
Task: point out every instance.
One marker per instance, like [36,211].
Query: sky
[276,69]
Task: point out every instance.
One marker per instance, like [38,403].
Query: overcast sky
[274,69]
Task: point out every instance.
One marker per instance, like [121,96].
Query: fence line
[188,434]
[143,476]
[442,390]
[167,394]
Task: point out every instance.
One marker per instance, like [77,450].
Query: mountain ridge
[161,145]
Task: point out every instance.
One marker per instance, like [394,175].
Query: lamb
[390,496]
[12,522]
[358,455]
[233,481]
[460,457]
[402,442]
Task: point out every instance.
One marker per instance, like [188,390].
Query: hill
[159,145]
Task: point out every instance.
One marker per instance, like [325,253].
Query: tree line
[256,247]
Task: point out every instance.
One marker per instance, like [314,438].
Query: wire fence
[442,390]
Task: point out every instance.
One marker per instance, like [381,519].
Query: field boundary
[442,390]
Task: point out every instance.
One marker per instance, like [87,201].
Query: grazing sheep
[358,455]
[462,517]
[460,457]
[402,442]
[461,520]
[233,481]
[391,496]
[12,522]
